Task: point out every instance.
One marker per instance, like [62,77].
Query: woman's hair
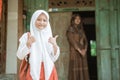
[79,27]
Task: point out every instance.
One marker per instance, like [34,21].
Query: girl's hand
[30,40]
[52,40]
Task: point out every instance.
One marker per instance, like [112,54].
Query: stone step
[8,77]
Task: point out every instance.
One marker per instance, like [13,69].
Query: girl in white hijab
[42,47]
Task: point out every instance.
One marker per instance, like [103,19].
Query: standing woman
[78,68]
[41,47]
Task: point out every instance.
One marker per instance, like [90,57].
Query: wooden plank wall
[107,27]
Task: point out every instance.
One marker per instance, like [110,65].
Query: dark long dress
[78,68]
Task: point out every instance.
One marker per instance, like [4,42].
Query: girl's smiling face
[41,21]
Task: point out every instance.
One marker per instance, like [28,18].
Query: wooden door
[108,39]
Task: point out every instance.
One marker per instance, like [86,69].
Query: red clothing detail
[53,75]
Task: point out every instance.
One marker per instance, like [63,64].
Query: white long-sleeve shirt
[23,50]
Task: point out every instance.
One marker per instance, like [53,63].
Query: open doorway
[88,18]
[59,25]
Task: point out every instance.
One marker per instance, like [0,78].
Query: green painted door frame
[108,39]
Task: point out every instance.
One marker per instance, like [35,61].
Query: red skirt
[53,75]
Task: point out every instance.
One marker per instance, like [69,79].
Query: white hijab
[41,48]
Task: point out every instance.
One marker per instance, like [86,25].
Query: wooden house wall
[107,33]
[108,39]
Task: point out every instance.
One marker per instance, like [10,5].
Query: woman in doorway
[78,68]
[41,47]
